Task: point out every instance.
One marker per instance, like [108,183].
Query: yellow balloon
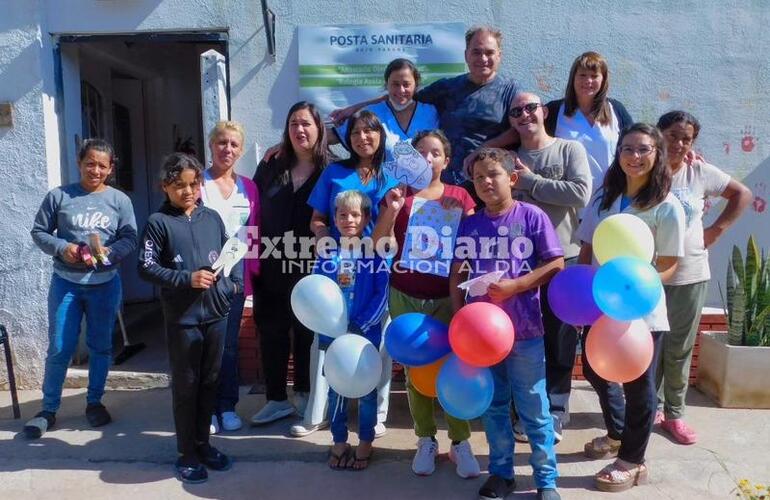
[623,235]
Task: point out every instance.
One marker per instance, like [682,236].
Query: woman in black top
[284,183]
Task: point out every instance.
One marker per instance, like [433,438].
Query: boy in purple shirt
[518,239]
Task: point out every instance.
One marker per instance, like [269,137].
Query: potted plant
[734,366]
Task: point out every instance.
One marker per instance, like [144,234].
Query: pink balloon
[481,334]
[619,351]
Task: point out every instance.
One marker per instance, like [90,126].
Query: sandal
[602,447]
[620,476]
[360,463]
[341,459]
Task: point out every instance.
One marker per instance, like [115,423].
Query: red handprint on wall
[748,142]
[759,204]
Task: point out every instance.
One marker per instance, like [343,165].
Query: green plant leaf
[754,335]
[735,328]
[751,278]
[730,284]
[738,266]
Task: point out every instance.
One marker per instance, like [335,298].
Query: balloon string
[338,406]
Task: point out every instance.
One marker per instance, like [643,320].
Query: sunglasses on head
[519,110]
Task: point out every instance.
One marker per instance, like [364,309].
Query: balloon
[570,295]
[318,304]
[352,366]
[627,288]
[481,334]
[623,235]
[423,378]
[416,339]
[619,351]
[464,391]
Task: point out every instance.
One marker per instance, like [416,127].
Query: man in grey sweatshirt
[554,175]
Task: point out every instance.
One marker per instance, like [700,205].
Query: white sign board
[344,64]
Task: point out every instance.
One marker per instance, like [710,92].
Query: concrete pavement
[131,458]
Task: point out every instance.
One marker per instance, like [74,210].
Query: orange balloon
[481,334]
[619,351]
[423,378]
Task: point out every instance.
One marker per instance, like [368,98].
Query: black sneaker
[496,487]
[39,424]
[190,471]
[558,432]
[97,415]
[547,494]
[213,458]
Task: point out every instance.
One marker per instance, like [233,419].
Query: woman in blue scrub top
[401,116]
[362,171]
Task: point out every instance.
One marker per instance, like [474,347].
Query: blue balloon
[464,391]
[627,288]
[415,339]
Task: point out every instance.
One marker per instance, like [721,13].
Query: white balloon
[318,303]
[352,366]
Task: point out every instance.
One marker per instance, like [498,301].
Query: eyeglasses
[641,151]
[519,110]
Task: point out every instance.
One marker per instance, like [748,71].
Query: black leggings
[274,318]
[195,353]
[628,420]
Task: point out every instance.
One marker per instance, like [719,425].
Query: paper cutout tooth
[232,252]
[478,286]
[408,166]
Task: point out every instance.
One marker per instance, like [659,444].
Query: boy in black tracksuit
[180,243]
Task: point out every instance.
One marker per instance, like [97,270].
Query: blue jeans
[521,376]
[67,302]
[338,416]
[227,393]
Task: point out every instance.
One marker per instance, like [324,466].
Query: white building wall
[708,57]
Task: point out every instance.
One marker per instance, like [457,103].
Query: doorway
[142,93]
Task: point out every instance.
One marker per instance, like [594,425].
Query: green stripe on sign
[355,81]
[353,69]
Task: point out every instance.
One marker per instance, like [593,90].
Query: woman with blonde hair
[236,199]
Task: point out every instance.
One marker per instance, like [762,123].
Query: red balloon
[481,334]
[619,351]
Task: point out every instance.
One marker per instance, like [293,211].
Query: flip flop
[361,460]
[342,458]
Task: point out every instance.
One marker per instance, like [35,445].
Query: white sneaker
[214,427]
[424,461]
[302,430]
[380,430]
[231,421]
[272,411]
[300,402]
[462,455]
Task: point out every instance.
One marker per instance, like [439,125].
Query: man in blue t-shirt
[472,107]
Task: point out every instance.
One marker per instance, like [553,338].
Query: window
[91,111]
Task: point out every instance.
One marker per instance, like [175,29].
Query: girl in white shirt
[637,182]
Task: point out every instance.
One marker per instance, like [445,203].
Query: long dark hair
[371,121]
[320,149]
[659,184]
[600,110]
